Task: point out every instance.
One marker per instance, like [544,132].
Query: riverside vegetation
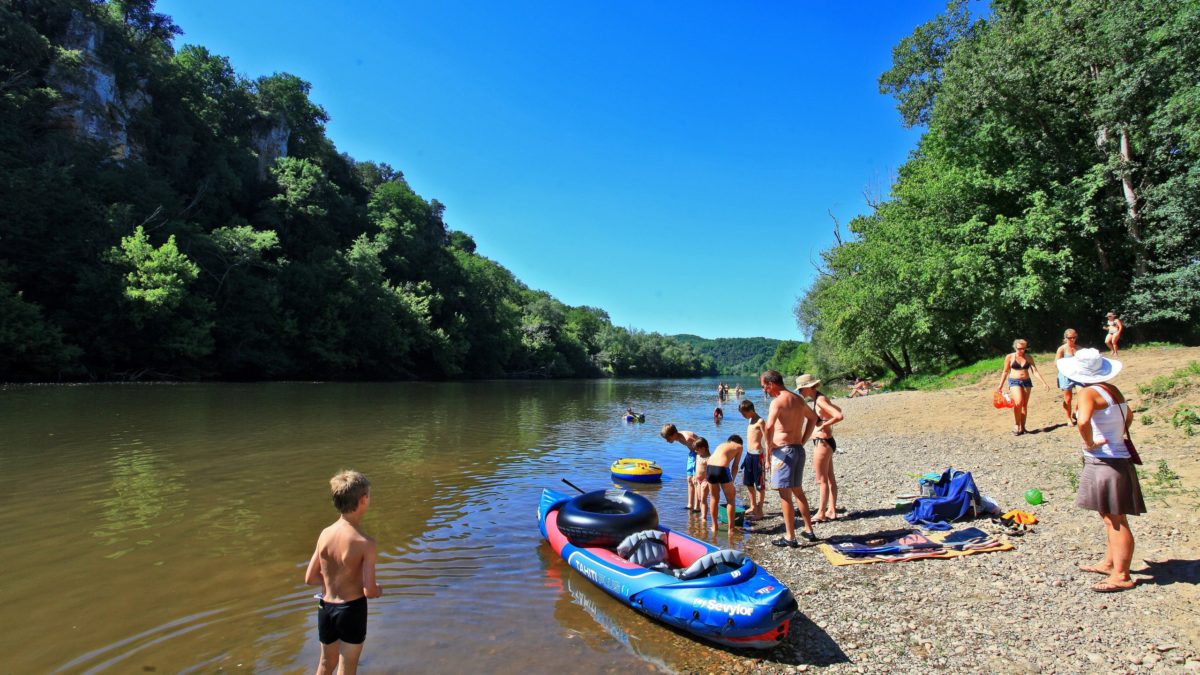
[1057,179]
[162,216]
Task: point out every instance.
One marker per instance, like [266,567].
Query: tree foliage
[1057,179]
[233,240]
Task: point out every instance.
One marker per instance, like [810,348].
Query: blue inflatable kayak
[718,595]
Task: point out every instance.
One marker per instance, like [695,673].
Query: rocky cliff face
[271,144]
[93,104]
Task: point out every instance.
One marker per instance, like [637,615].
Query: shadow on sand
[1167,572]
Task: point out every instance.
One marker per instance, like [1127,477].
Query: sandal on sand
[820,519]
[1109,587]
[1094,569]
[783,541]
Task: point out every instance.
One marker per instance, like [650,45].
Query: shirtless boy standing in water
[689,440]
[344,564]
[789,424]
[752,466]
[722,469]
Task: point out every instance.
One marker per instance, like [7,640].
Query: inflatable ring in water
[636,471]
[604,517]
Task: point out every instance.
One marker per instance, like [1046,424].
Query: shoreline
[1025,610]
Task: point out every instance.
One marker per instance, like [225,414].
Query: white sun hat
[1088,367]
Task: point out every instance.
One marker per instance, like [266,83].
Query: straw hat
[807,380]
[1088,367]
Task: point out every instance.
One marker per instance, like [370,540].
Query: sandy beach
[1025,610]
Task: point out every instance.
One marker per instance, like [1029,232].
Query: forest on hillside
[164,217]
[747,357]
[1058,178]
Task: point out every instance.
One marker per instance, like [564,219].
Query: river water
[166,528]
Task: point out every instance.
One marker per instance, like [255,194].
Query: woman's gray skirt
[1110,486]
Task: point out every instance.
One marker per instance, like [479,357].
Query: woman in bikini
[1017,367]
[1109,482]
[1065,351]
[824,445]
[1114,327]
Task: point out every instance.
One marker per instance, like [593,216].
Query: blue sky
[672,163]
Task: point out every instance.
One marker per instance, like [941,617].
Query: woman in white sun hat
[1109,483]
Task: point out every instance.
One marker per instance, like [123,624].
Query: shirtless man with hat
[789,425]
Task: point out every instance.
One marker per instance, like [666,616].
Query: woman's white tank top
[1108,426]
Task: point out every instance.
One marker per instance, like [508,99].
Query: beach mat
[955,544]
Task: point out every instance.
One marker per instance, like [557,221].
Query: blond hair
[348,488]
[668,431]
[1020,341]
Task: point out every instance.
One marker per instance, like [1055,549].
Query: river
[166,528]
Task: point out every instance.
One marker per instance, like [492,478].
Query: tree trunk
[907,362]
[892,363]
[1131,200]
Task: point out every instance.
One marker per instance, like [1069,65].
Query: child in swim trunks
[701,478]
[722,469]
[343,564]
[689,439]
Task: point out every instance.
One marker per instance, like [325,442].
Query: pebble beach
[1026,610]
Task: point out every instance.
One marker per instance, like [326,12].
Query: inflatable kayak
[718,595]
[634,418]
[636,471]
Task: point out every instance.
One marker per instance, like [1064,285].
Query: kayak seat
[647,548]
[717,562]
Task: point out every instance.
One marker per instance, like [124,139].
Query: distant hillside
[734,356]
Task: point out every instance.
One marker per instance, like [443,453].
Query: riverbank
[1025,610]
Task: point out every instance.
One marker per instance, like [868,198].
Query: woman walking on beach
[1017,367]
[1114,327]
[824,445]
[1065,351]
[1109,483]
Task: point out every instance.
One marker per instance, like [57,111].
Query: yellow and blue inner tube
[636,470]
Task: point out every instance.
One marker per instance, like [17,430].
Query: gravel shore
[1026,610]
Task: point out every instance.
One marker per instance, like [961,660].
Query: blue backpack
[954,497]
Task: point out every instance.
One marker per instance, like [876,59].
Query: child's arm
[371,587]
[313,576]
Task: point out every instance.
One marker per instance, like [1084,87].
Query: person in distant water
[718,415]
[722,470]
[690,440]
[1065,351]
[824,445]
[1109,483]
[752,465]
[1017,367]
[343,564]
[701,478]
[1115,327]
[789,425]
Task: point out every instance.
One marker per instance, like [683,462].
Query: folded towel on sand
[947,545]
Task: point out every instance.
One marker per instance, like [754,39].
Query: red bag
[997,400]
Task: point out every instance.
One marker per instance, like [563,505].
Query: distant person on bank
[1065,351]
[1017,367]
[789,425]
[1109,483]
[1114,328]
[824,445]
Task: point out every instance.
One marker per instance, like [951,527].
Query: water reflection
[144,492]
[154,485]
